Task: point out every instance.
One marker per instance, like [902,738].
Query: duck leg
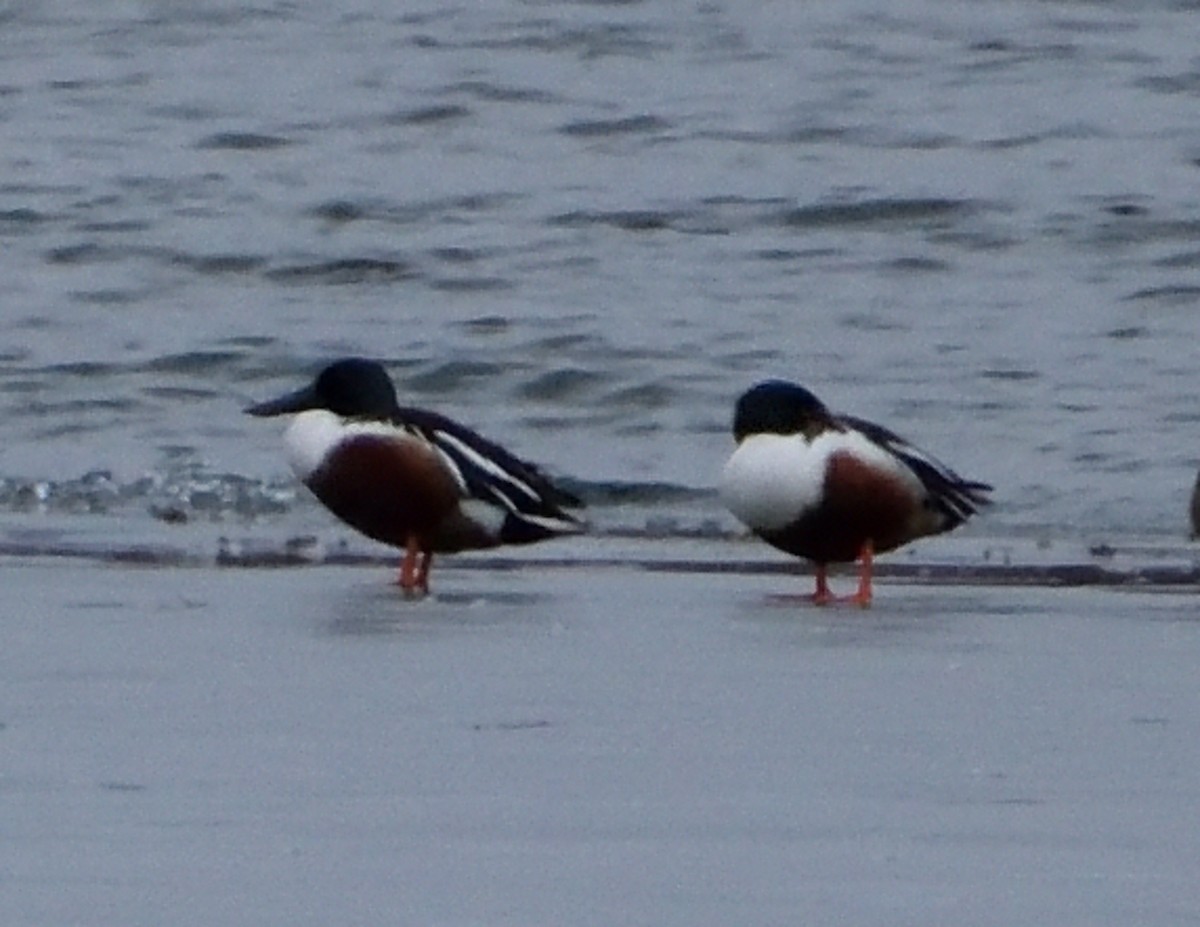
[410,579]
[866,557]
[822,595]
[423,570]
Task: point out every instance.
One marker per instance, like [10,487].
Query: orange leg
[822,595]
[411,577]
[866,558]
[423,570]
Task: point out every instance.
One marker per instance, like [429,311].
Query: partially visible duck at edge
[1194,508]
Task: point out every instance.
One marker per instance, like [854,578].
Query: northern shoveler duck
[411,478]
[1194,508]
[834,488]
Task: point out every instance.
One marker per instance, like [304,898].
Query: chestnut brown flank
[859,503]
[388,489]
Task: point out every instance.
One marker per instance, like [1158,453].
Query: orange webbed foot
[821,595]
[414,569]
[862,597]
[866,556]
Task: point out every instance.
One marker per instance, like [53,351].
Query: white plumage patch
[314,433]
[497,474]
[488,517]
[772,480]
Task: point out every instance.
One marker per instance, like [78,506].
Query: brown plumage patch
[859,503]
[389,489]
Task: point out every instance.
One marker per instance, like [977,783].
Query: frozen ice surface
[591,746]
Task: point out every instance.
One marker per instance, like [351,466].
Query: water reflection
[381,608]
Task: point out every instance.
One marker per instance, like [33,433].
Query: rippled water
[584,228]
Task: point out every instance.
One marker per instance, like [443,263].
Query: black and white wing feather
[954,497]
[489,473]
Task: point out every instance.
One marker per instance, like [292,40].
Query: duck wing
[952,495]
[492,474]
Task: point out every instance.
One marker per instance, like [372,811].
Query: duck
[411,478]
[833,488]
[1194,509]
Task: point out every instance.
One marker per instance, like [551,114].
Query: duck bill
[298,401]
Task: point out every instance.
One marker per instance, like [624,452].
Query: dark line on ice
[1054,575]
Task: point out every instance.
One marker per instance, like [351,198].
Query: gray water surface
[584,228]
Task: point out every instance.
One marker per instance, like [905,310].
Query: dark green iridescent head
[778,407]
[353,387]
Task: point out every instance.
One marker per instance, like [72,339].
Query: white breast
[314,433]
[772,480]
